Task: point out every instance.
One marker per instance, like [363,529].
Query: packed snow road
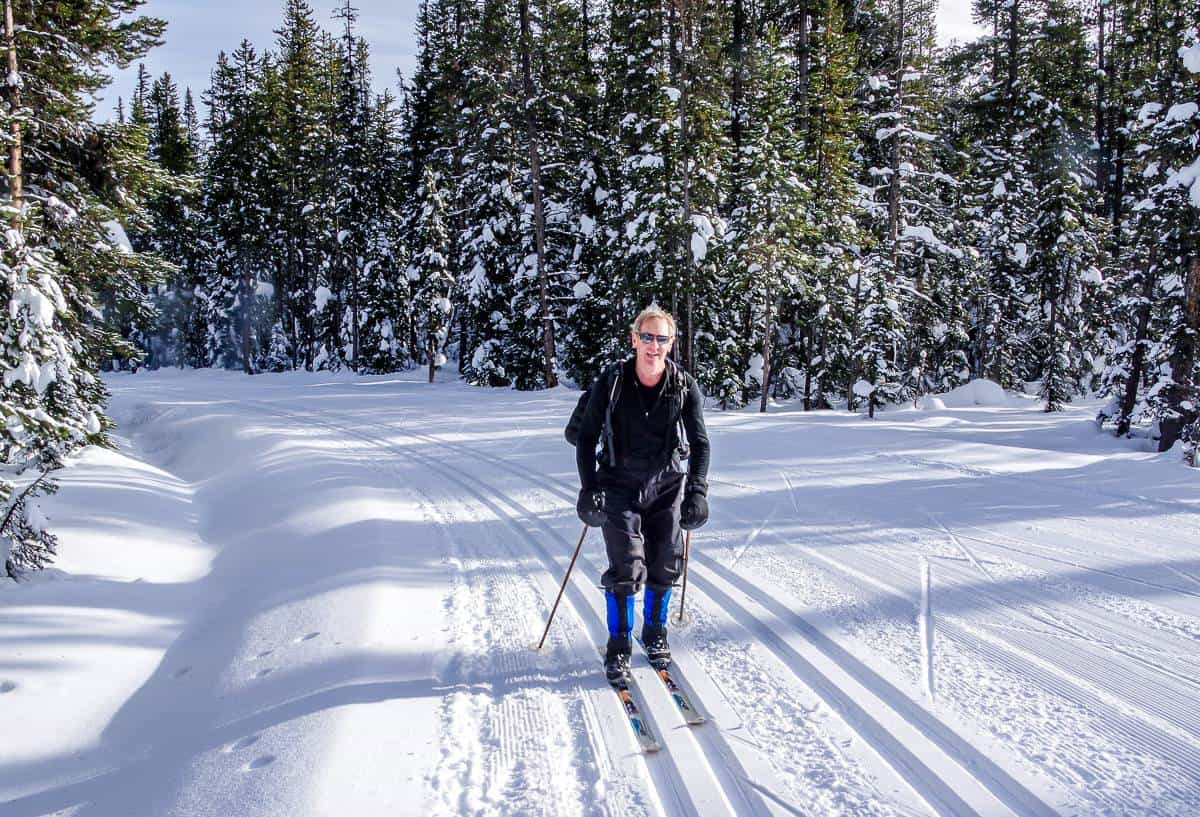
[317,595]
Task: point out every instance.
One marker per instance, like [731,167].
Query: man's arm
[697,436]
[589,433]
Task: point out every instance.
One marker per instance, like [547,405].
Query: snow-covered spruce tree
[298,142]
[816,318]
[490,260]
[555,155]
[386,294]
[1169,220]
[567,115]
[647,253]
[1066,239]
[590,317]
[236,191]
[351,184]
[71,183]
[175,230]
[429,272]
[910,212]
[766,231]
[661,218]
[1002,185]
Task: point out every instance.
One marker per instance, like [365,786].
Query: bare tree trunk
[737,92]
[803,59]
[768,332]
[685,32]
[851,403]
[549,354]
[247,287]
[1138,364]
[894,180]
[1050,372]
[1182,393]
[431,353]
[13,93]
[1103,163]
[806,350]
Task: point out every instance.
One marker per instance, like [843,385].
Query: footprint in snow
[7,686]
[263,673]
[182,671]
[243,743]
[308,637]
[260,762]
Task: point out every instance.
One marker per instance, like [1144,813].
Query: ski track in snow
[1065,651]
[941,796]
[1148,750]
[1153,777]
[508,747]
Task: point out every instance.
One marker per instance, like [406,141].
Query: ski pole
[687,551]
[562,589]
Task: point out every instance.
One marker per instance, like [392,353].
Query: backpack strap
[614,394]
[680,385]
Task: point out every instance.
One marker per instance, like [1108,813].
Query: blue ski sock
[620,614]
[658,603]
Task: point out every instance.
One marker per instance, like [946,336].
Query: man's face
[653,352]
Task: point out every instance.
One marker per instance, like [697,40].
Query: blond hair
[654,311]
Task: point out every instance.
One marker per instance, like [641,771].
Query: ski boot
[616,660]
[620,646]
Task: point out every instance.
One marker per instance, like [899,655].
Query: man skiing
[639,495]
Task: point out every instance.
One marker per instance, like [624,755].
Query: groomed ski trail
[683,781]
[976,786]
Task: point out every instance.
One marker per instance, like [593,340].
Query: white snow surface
[314,594]
[117,235]
[979,393]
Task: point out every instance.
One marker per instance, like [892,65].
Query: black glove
[694,512]
[590,507]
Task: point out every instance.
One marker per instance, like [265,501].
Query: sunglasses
[647,337]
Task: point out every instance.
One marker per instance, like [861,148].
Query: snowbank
[976,393]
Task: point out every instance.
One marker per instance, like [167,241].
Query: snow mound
[863,388]
[976,393]
[930,403]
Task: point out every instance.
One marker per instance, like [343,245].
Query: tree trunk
[806,352]
[685,32]
[737,93]
[539,214]
[1182,393]
[247,287]
[1140,340]
[1050,371]
[851,403]
[1103,163]
[803,60]
[13,94]
[768,332]
[894,180]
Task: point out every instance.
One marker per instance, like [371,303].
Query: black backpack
[614,375]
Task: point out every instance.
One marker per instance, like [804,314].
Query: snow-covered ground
[316,595]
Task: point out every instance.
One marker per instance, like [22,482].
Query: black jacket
[642,425]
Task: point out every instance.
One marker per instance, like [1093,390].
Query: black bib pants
[642,533]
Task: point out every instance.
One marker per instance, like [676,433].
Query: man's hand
[590,507]
[694,512]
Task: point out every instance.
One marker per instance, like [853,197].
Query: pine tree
[236,188]
[72,184]
[767,229]
[1169,220]
[428,270]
